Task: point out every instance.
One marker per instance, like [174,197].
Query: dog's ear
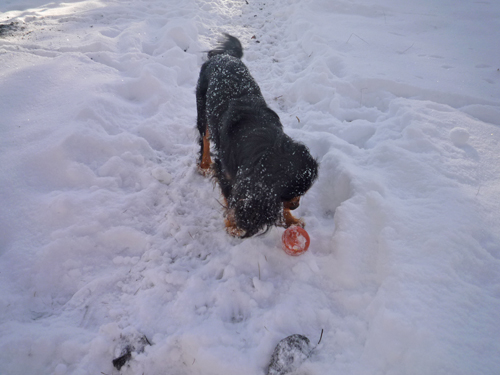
[295,169]
[272,116]
[255,206]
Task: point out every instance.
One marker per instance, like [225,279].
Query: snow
[459,136]
[108,234]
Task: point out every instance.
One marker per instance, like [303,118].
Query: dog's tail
[229,46]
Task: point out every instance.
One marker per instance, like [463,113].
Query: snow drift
[108,235]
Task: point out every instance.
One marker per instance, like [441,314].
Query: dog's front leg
[289,219]
[292,220]
[231,227]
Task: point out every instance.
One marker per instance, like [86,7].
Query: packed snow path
[108,234]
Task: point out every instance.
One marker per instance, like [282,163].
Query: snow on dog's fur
[261,171]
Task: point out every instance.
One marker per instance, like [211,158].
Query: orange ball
[295,240]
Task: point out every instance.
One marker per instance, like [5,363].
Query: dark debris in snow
[129,346]
[289,354]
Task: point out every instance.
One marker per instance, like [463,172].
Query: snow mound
[459,136]
[108,234]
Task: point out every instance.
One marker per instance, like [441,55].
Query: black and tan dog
[261,171]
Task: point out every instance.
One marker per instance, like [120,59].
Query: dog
[261,171]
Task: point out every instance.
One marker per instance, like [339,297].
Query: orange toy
[295,240]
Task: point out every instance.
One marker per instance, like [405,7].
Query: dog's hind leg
[205,159]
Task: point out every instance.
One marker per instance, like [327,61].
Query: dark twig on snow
[403,52]
[320,337]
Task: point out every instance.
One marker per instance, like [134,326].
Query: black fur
[257,165]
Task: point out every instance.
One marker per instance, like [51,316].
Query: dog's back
[225,81]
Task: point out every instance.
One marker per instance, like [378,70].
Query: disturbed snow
[108,234]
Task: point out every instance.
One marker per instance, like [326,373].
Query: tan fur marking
[206,160]
[291,220]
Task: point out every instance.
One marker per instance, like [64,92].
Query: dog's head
[254,206]
[294,170]
[281,176]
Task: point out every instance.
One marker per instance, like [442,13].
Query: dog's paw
[290,220]
[235,231]
[297,222]
[205,170]
[301,223]
[231,227]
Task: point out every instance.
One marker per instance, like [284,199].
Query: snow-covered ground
[108,234]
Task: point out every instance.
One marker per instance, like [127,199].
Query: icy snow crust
[109,235]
